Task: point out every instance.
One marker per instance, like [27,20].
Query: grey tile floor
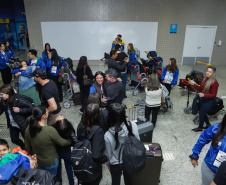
[172,132]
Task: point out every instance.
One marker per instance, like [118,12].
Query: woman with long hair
[208,88]
[42,140]
[153,91]
[66,131]
[26,84]
[90,125]
[54,64]
[99,84]
[170,75]
[95,98]
[46,51]
[8,49]
[115,138]
[17,108]
[83,69]
[4,65]
[132,55]
[215,155]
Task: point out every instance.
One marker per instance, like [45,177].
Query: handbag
[86,81]
[195,105]
[163,101]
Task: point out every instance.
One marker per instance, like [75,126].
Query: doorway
[198,44]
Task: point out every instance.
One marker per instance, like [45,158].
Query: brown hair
[173,67]
[131,49]
[209,80]
[153,83]
[7,89]
[94,98]
[96,84]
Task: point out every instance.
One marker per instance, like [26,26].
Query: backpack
[82,159]
[195,105]
[33,176]
[133,155]
[152,54]
[69,63]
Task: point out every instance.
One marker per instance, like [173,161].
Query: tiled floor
[172,132]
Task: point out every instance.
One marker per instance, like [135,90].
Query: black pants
[84,96]
[14,134]
[96,182]
[205,106]
[6,75]
[116,173]
[155,111]
[59,85]
[168,87]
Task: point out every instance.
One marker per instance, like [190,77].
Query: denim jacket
[25,82]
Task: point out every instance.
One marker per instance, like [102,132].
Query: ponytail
[34,126]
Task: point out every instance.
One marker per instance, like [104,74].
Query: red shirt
[212,91]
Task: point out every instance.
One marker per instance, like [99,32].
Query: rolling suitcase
[150,175]
[145,128]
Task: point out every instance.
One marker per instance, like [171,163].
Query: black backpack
[33,176]
[133,155]
[195,105]
[82,159]
[69,63]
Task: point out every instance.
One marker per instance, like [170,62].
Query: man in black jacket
[114,90]
[112,63]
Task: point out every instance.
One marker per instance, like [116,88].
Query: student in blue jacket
[170,75]
[132,55]
[54,64]
[46,52]
[215,155]
[4,65]
[8,49]
[35,62]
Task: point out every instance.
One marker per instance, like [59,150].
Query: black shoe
[197,129]
[207,126]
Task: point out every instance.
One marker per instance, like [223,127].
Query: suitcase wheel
[135,92]
[67,104]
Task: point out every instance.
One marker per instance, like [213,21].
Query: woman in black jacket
[17,108]
[90,125]
[83,69]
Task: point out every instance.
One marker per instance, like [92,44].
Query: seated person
[114,90]
[14,161]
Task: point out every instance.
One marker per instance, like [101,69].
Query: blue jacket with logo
[50,64]
[39,64]
[3,60]
[175,76]
[44,57]
[206,137]
[10,53]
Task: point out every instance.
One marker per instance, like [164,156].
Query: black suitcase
[219,104]
[150,175]
[145,128]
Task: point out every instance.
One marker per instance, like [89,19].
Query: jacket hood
[121,133]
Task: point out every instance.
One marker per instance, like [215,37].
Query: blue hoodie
[44,57]
[175,76]
[39,64]
[206,137]
[50,64]
[132,59]
[3,60]
[10,53]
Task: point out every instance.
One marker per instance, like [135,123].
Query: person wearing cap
[49,94]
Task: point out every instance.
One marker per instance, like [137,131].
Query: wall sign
[173,28]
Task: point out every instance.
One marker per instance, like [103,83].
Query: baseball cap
[119,35]
[38,72]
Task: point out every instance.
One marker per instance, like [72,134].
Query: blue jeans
[66,156]
[124,76]
[205,106]
[52,168]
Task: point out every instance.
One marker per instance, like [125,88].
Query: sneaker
[207,126]
[80,112]
[197,129]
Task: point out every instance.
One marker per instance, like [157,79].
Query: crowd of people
[35,112]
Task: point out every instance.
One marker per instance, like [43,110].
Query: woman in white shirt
[153,91]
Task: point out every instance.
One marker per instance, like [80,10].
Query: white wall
[92,39]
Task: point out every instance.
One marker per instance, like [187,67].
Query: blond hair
[209,80]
